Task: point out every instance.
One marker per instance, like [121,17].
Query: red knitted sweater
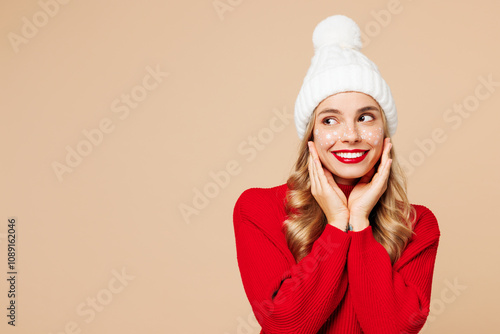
[345,285]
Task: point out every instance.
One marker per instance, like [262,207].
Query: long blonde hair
[391,219]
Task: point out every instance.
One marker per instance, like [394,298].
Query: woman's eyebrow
[336,111]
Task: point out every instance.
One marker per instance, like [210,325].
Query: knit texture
[338,65]
[345,285]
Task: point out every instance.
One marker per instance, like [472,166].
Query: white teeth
[349,155]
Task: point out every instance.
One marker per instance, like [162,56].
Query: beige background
[228,75]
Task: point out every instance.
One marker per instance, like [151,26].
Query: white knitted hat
[339,66]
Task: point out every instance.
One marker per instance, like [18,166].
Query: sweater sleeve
[390,299]
[285,297]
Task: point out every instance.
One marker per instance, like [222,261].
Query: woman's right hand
[325,190]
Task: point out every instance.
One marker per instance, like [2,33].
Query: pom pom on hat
[339,66]
[337,29]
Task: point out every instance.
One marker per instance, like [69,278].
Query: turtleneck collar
[346,189]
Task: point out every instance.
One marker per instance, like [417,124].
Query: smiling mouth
[350,157]
[346,155]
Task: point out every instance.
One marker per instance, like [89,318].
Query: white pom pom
[339,30]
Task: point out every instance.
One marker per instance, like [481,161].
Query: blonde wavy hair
[391,219]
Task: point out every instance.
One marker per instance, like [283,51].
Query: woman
[338,248]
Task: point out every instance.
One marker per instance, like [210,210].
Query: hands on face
[362,198]
[371,186]
[325,190]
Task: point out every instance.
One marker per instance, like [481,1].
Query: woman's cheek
[326,138]
[372,136]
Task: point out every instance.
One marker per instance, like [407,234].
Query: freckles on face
[327,137]
[373,136]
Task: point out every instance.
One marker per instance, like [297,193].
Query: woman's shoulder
[257,194]
[426,223]
[261,210]
[261,200]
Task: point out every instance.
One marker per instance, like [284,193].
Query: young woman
[338,248]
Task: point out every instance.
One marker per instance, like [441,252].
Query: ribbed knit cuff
[337,232]
[363,240]
[335,237]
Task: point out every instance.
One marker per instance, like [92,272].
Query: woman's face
[348,121]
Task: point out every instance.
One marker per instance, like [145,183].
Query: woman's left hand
[370,188]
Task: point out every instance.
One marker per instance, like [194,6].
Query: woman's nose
[351,133]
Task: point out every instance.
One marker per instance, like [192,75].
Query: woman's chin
[351,175]
[347,179]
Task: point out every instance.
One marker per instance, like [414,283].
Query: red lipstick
[350,160]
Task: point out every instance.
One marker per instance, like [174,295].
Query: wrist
[358,223]
[340,223]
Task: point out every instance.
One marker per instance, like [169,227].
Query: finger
[387,150]
[313,173]
[310,167]
[388,160]
[324,175]
[309,162]
[321,175]
[387,171]
[380,185]
[384,158]
[312,150]
[384,154]
[314,165]
[320,171]
[383,176]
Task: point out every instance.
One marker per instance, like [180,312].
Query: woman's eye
[368,116]
[327,121]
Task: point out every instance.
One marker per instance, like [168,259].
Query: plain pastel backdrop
[129,129]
